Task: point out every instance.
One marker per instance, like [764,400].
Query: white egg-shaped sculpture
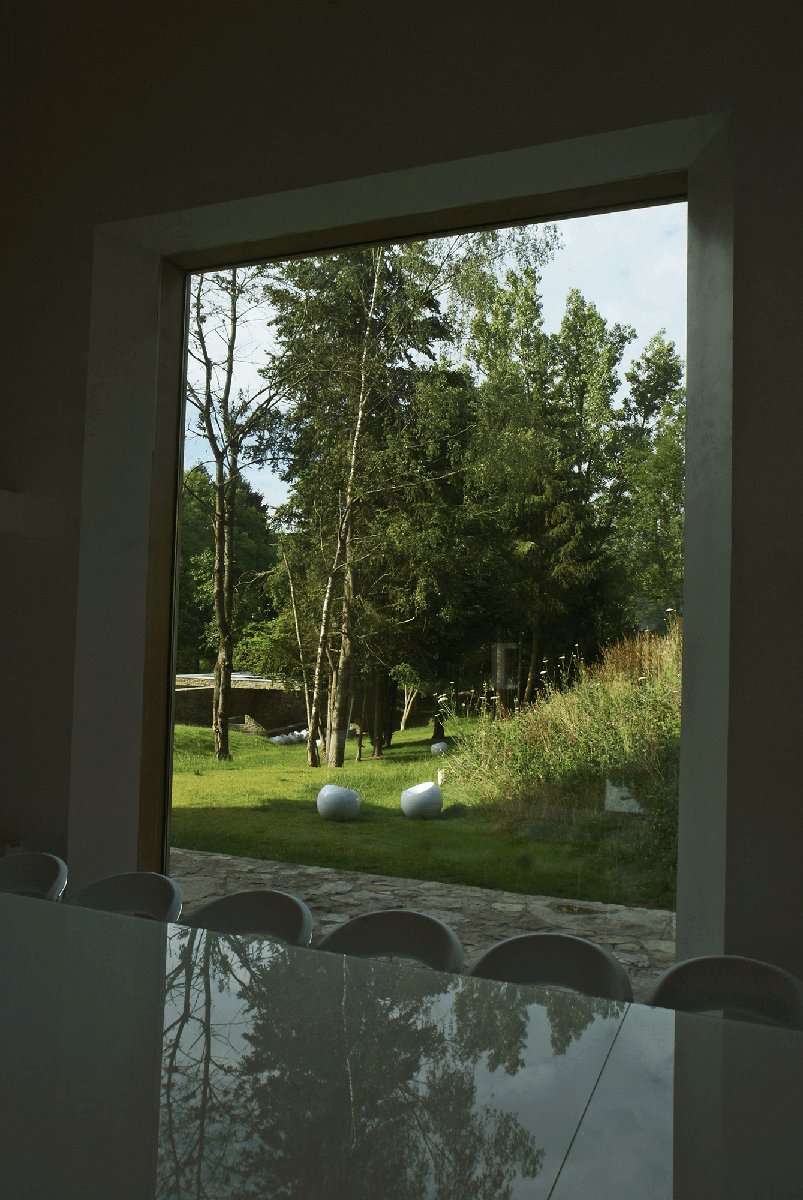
[338,803]
[439,748]
[423,800]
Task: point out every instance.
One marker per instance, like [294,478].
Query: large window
[427,486]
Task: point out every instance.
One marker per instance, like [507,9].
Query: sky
[632,265]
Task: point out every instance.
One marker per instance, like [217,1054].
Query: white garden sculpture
[423,800]
[338,803]
[439,748]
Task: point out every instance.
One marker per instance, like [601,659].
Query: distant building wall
[264,705]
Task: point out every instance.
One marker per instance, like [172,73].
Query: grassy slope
[262,805]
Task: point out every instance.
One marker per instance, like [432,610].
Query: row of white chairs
[739,987]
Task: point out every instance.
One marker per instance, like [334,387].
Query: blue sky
[632,265]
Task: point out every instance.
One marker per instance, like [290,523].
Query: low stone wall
[264,705]
[193,706]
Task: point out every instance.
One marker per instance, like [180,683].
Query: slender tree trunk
[223,592]
[378,734]
[298,635]
[227,432]
[330,702]
[409,699]
[313,758]
[391,694]
[532,674]
[343,697]
[344,525]
[358,757]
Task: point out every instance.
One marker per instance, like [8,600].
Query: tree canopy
[255,552]
[458,477]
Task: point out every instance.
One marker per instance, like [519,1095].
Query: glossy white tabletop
[143,1060]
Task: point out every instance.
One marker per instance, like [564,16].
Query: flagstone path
[642,939]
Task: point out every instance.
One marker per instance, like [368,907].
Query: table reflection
[144,1060]
[292,1073]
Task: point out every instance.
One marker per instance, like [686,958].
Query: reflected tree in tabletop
[352,1079]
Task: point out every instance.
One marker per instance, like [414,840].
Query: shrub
[620,719]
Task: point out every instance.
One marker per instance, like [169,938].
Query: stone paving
[642,939]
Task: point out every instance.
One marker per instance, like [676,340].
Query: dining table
[142,1060]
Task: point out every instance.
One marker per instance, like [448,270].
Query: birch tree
[349,326]
[355,330]
[234,421]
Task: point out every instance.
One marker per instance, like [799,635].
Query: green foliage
[648,538]
[619,720]
[498,485]
[425,561]
[568,479]
[262,805]
[255,552]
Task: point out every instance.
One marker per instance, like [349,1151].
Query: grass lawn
[262,805]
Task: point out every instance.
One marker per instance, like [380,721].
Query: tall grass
[619,719]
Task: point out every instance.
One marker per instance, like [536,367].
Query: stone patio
[642,939]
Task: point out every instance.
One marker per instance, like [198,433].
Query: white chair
[740,988]
[133,894]
[277,914]
[558,958]
[398,933]
[42,876]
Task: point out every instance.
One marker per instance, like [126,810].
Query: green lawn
[262,805]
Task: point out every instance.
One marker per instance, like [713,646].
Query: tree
[349,326]
[235,425]
[356,330]
[565,468]
[546,442]
[649,527]
[436,503]
[255,553]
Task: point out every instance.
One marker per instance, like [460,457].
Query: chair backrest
[401,933]
[36,874]
[277,914]
[557,958]
[134,894]
[741,988]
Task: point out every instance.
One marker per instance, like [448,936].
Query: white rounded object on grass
[423,800]
[277,740]
[338,803]
[439,748]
